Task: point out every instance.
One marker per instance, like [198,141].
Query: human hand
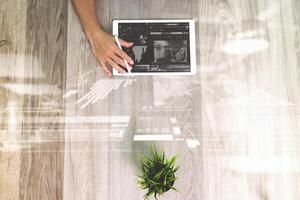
[108,53]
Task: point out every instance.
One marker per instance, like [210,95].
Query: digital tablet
[161,47]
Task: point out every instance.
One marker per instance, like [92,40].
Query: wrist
[92,31]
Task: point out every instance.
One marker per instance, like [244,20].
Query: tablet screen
[158,47]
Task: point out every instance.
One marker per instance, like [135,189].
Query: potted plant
[157,173]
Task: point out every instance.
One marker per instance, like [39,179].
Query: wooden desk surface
[235,124]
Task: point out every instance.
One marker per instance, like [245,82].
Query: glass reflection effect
[176,131]
[263,164]
[153,138]
[32,89]
[251,37]
[245,46]
[70,93]
[192,143]
[100,90]
[169,129]
[50,129]
[12,66]
[12,119]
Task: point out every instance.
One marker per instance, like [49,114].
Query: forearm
[102,43]
[86,11]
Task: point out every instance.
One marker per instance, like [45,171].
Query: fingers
[113,61]
[105,68]
[120,61]
[123,55]
[109,54]
[125,44]
[116,66]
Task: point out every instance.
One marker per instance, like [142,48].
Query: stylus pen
[119,45]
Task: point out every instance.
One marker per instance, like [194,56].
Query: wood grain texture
[41,171]
[33,65]
[12,48]
[121,155]
[249,121]
[85,148]
[67,130]
[228,93]
[173,100]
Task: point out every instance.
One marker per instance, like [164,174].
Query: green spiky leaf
[157,173]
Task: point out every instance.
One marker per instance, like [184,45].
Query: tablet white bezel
[191,22]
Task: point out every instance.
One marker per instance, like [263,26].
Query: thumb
[125,44]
